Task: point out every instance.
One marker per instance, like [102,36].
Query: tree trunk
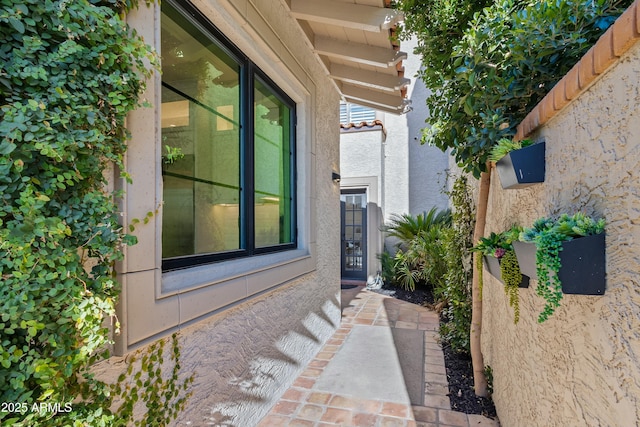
[479,379]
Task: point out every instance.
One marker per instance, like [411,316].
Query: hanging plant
[511,276]
[549,235]
[499,246]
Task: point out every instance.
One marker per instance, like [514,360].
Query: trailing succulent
[499,246]
[505,145]
[548,235]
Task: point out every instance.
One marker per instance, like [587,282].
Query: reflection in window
[272,168]
[230,194]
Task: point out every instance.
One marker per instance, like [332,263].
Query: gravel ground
[459,369]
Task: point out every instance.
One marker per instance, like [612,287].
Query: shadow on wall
[246,357]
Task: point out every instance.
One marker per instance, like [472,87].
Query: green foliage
[548,234]
[70,72]
[494,245]
[497,244]
[172,155]
[406,227]
[419,258]
[455,291]
[438,25]
[509,56]
[141,386]
[505,145]
[500,246]
[511,276]
[162,398]
[386,262]
[488,373]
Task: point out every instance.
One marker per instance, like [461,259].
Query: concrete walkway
[368,374]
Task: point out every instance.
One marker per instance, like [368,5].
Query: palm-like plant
[420,252]
[406,227]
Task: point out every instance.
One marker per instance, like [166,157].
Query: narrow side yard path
[382,368]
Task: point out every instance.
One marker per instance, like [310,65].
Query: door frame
[346,273]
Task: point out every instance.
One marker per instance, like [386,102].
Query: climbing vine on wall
[70,72]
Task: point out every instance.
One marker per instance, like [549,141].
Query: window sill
[189,279]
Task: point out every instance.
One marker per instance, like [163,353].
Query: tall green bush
[510,54]
[455,292]
[70,72]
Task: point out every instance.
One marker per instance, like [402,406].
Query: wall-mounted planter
[492,264]
[582,261]
[522,168]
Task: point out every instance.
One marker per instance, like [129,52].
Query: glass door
[353,209]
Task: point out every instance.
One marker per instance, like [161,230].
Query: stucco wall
[247,327]
[582,366]
[414,173]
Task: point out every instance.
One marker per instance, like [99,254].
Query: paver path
[317,399]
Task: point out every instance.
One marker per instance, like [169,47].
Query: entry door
[353,208]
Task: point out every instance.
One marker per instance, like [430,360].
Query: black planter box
[492,264]
[522,168]
[582,260]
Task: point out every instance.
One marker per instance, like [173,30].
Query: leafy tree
[492,72]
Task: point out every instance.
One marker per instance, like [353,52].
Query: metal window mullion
[248,160]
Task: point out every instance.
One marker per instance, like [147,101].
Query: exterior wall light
[335,176]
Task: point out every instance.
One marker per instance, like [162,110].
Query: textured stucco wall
[414,174]
[361,154]
[582,366]
[246,336]
[362,167]
[427,165]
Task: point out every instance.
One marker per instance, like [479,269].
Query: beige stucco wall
[582,366]
[246,327]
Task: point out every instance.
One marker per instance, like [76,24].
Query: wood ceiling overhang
[354,41]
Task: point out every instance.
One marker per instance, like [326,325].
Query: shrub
[419,258]
[510,54]
[455,291]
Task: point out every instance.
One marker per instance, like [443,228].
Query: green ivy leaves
[70,72]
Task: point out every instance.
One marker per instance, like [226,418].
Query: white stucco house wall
[382,159]
[240,254]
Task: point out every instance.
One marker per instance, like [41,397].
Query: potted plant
[566,255]
[501,262]
[519,163]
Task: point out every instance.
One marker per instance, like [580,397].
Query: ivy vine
[70,72]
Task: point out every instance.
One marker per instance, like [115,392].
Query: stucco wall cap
[571,85]
[586,73]
[617,40]
[625,31]
[559,97]
[603,56]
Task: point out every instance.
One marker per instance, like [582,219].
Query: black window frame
[248,73]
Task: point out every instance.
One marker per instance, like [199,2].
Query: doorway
[353,229]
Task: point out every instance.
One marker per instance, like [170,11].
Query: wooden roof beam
[349,15]
[357,52]
[367,78]
[396,111]
[375,98]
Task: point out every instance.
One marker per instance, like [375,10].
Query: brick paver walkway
[304,406]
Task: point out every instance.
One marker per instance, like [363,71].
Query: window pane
[272,168]
[200,116]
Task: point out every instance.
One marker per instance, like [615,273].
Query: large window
[228,149]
